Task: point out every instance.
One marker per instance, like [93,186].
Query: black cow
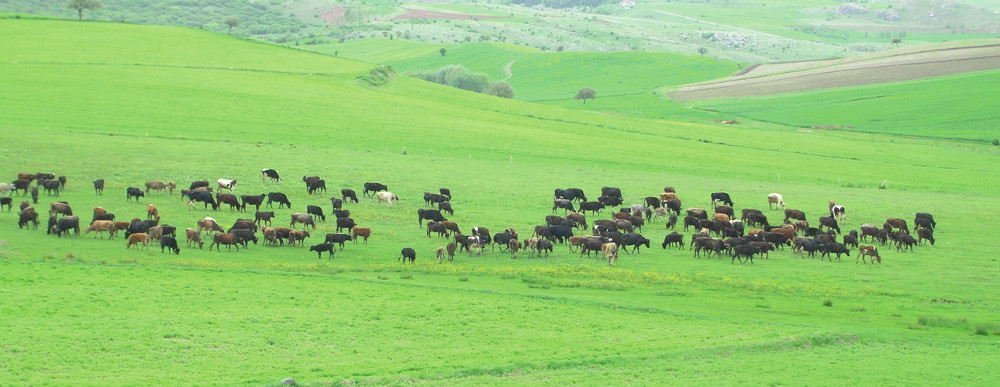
[133,192]
[169,242]
[407,253]
[316,210]
[610,201]
[99,186]
[372,188]
[565,204]
[337,238]
[744,251]
[342,214]
[432,198]
[673,205]
[446,206]
[431,215]
[570,194]
[50,186]
[279,197]
[693,222]
[62,182]
[317,185]
[320,248]
[67,223]
[561,233]
[198,184]
[721,197]
[254,200]
[924,215]
[345,223]
[611,191]
[6,201]
[833,247]
[348,194]
[653,202]
[674,237]
[202,196]
[634,240]
[808,245]
[502,239]
[268,173]
[140,226]
[336,203]
[594,207]
[244,235]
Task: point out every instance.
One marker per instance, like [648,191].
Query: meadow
[131,104]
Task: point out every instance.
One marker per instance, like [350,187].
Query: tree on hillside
[585,94]
[80,5]
[896,41]
[500,89]
[443,51]
[232,21]
[702,50]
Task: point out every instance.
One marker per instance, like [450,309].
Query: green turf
[136,105]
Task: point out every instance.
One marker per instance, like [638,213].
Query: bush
[827,303]
[500,89]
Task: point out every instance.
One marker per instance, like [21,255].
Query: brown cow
[721,209]
[193,236]
[720,217]
[136,239]
[100,226]
[208,224]
[60,208]
[152,212]
[668,196]
[513,245]
[451,250]
[156,186]
[610,251]
[439,252]
[898,223]
[297,236]
[363,232]
[870,251]
[227,239]
[794,214]
[451,226]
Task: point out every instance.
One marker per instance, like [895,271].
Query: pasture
[220,107]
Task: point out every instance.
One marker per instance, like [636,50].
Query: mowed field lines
[163,104]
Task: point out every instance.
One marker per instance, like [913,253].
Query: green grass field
[131,104]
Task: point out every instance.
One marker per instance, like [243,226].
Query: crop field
[131,104]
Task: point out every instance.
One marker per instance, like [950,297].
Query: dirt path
[506,68]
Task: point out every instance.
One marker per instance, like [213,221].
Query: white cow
[775,198]
[387,197]
[226,183]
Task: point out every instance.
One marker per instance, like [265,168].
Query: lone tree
[443,51]
[702,50]
[585,93]
[232,21]
[896,41]
[80,5]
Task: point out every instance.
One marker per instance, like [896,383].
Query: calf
[131,192]
[362,232]
[451,226]
[152,212]
[869,251]
[338,239]
[387,197]
[513,246]
[208,224]
[317,211]
[169,242]
[320,248]
[925,233]
[451,247]
[136,239]
[446,206]
[348,194]
[436,227]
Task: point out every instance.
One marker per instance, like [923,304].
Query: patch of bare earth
[421,14]
[334,16]
[804,76]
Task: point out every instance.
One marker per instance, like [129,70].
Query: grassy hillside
[131,104]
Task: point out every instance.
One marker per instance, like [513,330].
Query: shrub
[827,303]
[500,89]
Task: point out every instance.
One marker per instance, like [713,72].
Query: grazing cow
[837,211]
[835,248]
[305,219]
[320,248]
[60,208]
[757,220]
[100,226]
[131,192]
[609,201]
[925,233]
[869,231]
[202,196]
[151,212]
[560,233]
[439,253]
[67,223]
[775,239]
[317,211]
[595,207]
[254,200]
[169,242]
[198,184]
[673,205]
[634,240]
[227,239]
[451,247]
[543,246]
[674,237]
[21,185]
[513,246]
[386,196]
[667,196]
[310,179]
[565,204]
[904,241]
[433,198]
[924,223]
[407,253]
[372,188]
[345,224]
[263,216]
[361,232]
[502,240]
[208,224]
[829,222]
[157,186]
[121,226]
[869,251]
[155,233]
[136,239]
[851,240]
[807,245]
[699,213]
[451,226]
[898,223]
[710,245]
[794,214]
[336,203]
[691,221]
[278,197]
[671,221]
[775,199]
[338,239]
[924,215]
[297,237]
[744,251]
[140,226]
[445,206]
[34,195]
[268,173]
[342,214]
[578,219]
[431,215]
[51,187]
[610,251]
[316,186]
[611,191]
[348,194]
[721,197]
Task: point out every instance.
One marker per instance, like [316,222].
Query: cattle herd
[714,232]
